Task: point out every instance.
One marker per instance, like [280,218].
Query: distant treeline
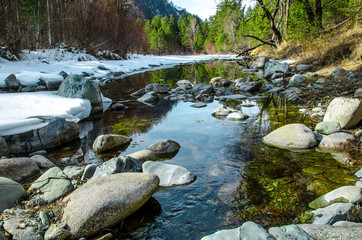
[108,25]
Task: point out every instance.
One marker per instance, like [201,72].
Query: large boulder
[274,69]
[346,194]
[170,175]
[249,230]
[202,88]
[336,141]
[260,63]
[164,148]
[12,82]
[158,88]
[251,86]
[104,143]
[4,149]
[337,212]
[113,197]
[291,136]
[117,165]
[52,185]
[75,86]
[42,162]
[19,169]
[346,111]
[220,82]
[10,193]
[57,132]
[325,232]
[289,232]
[149,98]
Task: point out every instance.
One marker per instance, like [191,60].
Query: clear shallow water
[238,177]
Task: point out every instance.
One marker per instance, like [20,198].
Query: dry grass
[338,48]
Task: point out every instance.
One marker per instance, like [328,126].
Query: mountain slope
[147,9]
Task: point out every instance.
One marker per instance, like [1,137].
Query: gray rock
[291,136]
[113,197]
[292,94]
[336,141]
[184,84]
[170,175]
[311,75]
[41,152]
[44,218]
[249,230]
[346,194]
[118,107]
[10,193]
[260,62]
[223,111]
[74,172]
[358,93]
[199,105]
[346,111]
[42,162]
[118,165]
[251,86]
[51,84]
[296,80]
[321,81]
[236,116]
[139,93]
[274,69]
[52,185]
[290,232]
[327,128]
[346,224]
[56,233]
[104,143]
[303,68]
[345,75]
[158,88]
[57,132]
[220,82]
[315,86]
[164,148]
[12,82]
[18,169]
[150,98]
[63,74]
[323,232]
[4,149]
[89,171]
[143,155]
[233,97]
[358,174]
[336,212]
[358,134]
[75,86]
[23,218]
[202,88]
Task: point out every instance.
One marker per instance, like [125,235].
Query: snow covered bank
[22,112]
[38,65]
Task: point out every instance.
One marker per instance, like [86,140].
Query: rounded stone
[336,141]
[113,197]
[291,136]
[18,169]
[104,143]
[327,128]
[10,193]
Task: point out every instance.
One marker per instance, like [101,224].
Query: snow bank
[47,65]
[20,112]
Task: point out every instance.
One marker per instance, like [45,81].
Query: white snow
[47,65]
[19,111]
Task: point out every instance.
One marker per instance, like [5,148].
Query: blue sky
[203,8]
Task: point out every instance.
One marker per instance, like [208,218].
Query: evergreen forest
[97,25]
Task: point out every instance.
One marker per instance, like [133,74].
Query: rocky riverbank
[118,187]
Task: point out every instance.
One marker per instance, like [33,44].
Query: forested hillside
[112,25]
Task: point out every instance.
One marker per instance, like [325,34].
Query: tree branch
[260,40]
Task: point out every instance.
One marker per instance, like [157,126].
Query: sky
[203,8]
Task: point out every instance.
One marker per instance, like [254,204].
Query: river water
[238,177]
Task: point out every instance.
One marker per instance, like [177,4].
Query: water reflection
[238,177]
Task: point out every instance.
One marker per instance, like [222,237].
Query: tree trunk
[276,32]
[287,18]
[318,14]
[309,10]
[49,25]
